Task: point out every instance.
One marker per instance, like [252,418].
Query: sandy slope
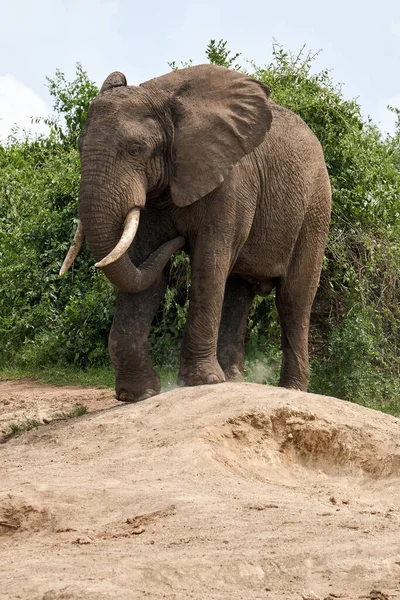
[229,491]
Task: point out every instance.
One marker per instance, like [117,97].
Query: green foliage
[170,319]
[218,54]
[45,319]
[354,338]
[71,102]
[358,364]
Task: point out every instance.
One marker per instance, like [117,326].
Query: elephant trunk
[109,241]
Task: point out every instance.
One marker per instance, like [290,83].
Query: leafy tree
[355,332]
[218,54]
[45,319]
[71,102]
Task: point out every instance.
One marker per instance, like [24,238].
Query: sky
[359,42]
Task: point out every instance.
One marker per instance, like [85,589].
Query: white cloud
[395,28]
[18,103]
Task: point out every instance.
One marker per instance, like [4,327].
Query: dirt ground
[233,491]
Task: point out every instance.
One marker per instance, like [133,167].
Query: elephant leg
[210,268]
[239,295]
[128,343]
[134,314]
[294,297]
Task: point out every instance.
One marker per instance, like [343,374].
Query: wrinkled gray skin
[210,158]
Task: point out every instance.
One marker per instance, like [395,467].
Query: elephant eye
[136,148]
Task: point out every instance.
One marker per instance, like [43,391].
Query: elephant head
[183,131]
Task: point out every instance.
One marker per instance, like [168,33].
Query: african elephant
[208,162]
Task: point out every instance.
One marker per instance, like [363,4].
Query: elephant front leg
[199,364]
[239,295]
[128,343]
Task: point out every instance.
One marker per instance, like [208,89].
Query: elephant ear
[115,79]
[219,116]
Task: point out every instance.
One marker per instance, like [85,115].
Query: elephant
[202,159]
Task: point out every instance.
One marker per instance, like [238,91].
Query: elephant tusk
[73,251]
[127,237]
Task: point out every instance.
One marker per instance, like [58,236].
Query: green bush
[45,319]
[354,337]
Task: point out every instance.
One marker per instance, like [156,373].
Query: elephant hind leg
[294,298]
[239,295]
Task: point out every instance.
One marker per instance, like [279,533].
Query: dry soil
[216,492]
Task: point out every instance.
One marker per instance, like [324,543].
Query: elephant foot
[293,382]
[292,385]
[200,373]
[127,396]
[137,390]
[233,373]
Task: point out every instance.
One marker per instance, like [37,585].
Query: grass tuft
[77,411]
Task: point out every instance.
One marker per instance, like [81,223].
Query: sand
[230,491]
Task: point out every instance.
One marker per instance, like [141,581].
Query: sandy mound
[229,491]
